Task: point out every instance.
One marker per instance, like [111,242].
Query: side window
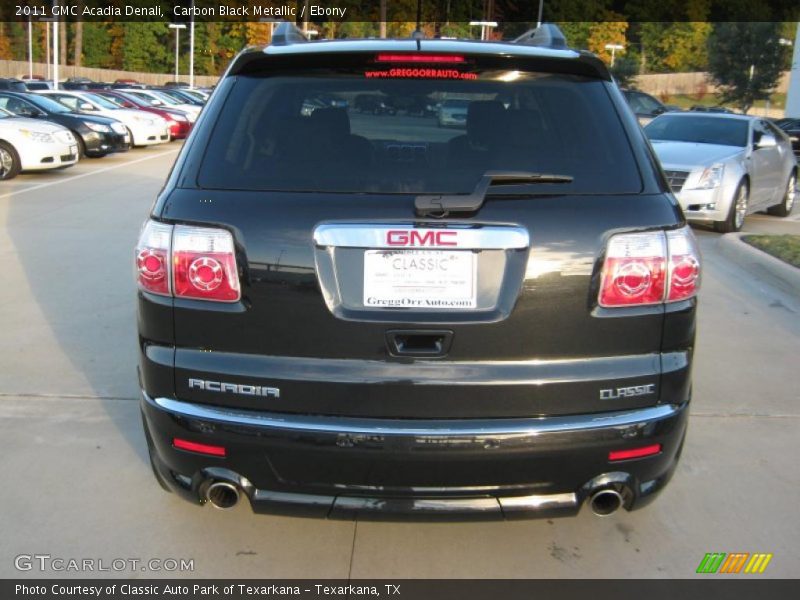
[771,128]
[636,103]
[70,102]
[4,103]
[758,131]
[648,104]
[17,106]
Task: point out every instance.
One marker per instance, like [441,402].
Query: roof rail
[547,35]
[286,34]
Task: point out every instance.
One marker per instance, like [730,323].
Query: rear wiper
[441,205]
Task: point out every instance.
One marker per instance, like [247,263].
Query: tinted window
[351,133]
[70,102]
[101,101]
[699,129]
[48,105]
[16,105]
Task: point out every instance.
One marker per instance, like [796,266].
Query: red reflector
[420,58]
[634,452]
[199,448]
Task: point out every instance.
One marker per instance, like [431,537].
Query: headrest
[483,117]
[333,120]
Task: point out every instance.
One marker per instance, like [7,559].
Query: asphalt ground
[78,485]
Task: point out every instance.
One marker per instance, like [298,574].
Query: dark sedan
[96,135]
[792,128]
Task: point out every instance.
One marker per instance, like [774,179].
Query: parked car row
[54,129]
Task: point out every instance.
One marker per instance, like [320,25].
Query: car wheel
[787,204]
[81,146]
[10,165]
[130,137]
[737,211]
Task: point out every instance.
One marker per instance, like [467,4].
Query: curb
[733,247]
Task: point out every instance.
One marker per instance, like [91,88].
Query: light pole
[47,46]
[30,48]
[541,8]
[55,49]
[177,27]
[614,48]
[191,49]
[484,25]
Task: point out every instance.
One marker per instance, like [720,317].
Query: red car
[179,124]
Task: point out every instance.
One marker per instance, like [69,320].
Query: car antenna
[417,33]
[547,35]
[286,34]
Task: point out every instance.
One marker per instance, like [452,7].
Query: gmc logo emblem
[399,237]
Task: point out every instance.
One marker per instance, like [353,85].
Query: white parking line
[82,175]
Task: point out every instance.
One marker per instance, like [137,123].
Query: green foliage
[625,70]
[745,60]
[675,47]
[96,45]
[145,48]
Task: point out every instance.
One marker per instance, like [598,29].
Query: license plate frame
[420,279]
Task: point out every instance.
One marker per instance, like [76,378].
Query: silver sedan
[722,167]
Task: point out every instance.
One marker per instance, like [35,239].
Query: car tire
[130,135]
[81,146]
[10,164]
[784,209]
[735,219]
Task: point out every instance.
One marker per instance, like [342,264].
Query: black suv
[346,313]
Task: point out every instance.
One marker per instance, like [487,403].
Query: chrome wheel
[791,193]
[6,162]
[740,208]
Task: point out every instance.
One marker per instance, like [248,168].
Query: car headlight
[711,177]
[37,136]
[98,127]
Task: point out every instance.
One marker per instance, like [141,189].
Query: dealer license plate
[426,279]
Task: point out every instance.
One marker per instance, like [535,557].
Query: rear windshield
[351,132]
[699,130]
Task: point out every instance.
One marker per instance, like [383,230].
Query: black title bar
[438,11]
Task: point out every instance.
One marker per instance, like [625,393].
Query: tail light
[420,58]
[187,262]
[152,258]
[204,264]
[684,265]
[651,450]
[650,268]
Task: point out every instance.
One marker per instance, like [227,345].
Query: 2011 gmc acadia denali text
[346,311]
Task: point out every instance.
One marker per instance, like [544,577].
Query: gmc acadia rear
[351,313]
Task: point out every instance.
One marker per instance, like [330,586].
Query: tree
[603,33]
[78,42]
[745,61]
[145,47]
[676,47]
[625,70]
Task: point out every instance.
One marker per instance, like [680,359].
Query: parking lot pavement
[79,486]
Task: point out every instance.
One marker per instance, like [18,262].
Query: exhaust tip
[222,495]
[606,502]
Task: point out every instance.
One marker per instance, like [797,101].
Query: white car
[33,145]
[157,99]
[146,129]
[722,167]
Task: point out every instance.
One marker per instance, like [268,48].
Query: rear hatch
[355,301]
